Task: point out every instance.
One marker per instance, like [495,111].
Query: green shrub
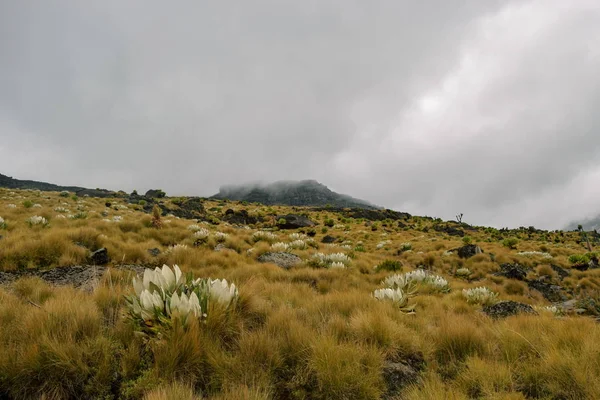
[329,222]
[511,243]
[389,265]
[27,204]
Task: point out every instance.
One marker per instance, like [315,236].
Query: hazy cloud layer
[488,108]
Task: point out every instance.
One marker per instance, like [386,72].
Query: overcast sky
[489,108]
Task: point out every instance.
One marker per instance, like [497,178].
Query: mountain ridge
[307,192]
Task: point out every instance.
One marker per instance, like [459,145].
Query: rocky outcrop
[449,229]
[282,259]
[552,293]
[513,271]
[240,217]
[293,221]
[328,239]
[505,309]
[100,257]
[468,251]
[402,371]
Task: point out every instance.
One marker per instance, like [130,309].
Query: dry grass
[303,333]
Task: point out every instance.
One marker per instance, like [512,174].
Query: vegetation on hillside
[387,309]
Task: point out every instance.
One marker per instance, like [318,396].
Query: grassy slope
[302,333]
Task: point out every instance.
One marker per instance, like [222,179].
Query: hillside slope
[291,193]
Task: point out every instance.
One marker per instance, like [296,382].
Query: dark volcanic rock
[100,257]
[469,251]
[562,273]
[505,309]
[449,229]
[155,193]
[401,372]
[240,217]
[189,208]
[328,239]
[155,252]
[552,293]
[282,259]
[293,221]
[513,271]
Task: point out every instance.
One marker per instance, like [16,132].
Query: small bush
[389,265]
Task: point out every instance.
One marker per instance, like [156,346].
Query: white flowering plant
[321,260]
[418,279]
[264,236]
[164,294]
[480,295]
[36,220]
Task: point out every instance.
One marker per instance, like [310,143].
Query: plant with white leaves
[280,246]
[407,246]
[175,248]
[297,236]
[36,220]
[61,210]
[11,205]
[36,205]
[327,260]
[297,244]
[480,295]
[2,223]
[201,234]
[335,265]
[165,293]
[395,295]
[194,227]
[413,280]
[463,272]
[554,310]
[382,244]
[530,254]
[264,236]
[221,237]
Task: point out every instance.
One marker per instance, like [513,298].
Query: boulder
[505,309]
[328,239]
[155,252]
[100,257]
[239,217]
[282,259]
[449,229]
[562,273]
[469,251]
[293,221]
[400,372]
[513,271]
[552,293]
[155,194]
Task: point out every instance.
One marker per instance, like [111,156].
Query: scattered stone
[513,271]
[240,217]
[108,204]
[450,230]
[155,194]
[469,251]
[155,252]
[100,257]
[562,273]
[402,372]
[328,239]
[505,309]
[293,221]
[552,293]
[282,259]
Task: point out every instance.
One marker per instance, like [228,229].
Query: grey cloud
[429,107]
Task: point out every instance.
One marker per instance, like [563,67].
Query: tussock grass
[303,333]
